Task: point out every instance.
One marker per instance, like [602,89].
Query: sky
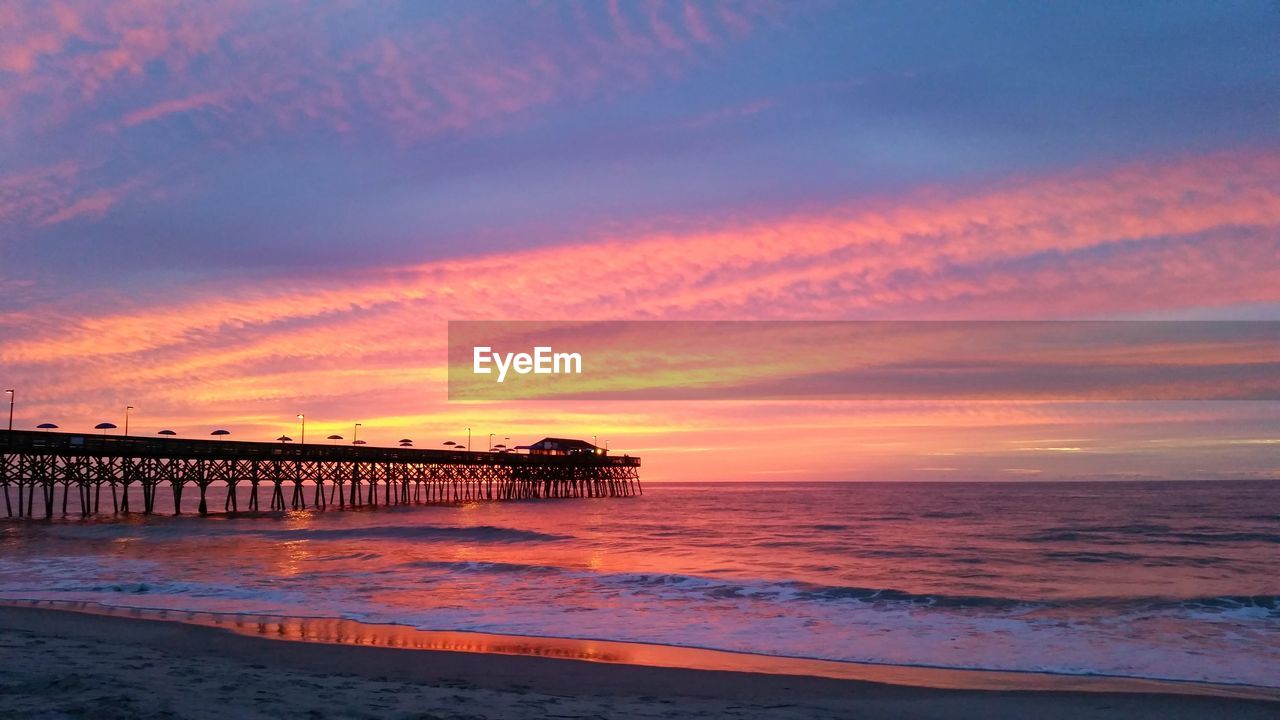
[228,213]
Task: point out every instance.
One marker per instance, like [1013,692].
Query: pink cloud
[91,205]
[165,108]
[1209,224]
[417,80]
[53,194]
[1197,231]
[34,193]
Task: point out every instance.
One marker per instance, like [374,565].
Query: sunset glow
[224,215]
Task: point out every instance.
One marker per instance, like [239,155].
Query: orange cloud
[1195,231]
[1207,219]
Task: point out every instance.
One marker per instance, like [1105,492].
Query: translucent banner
[746,360]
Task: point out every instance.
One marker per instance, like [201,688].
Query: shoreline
[620,678]
[341,631]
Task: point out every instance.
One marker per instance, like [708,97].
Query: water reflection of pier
[334,476]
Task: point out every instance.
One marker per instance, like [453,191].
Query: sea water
[1159,580]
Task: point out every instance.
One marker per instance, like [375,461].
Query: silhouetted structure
[562,446]
[355,475]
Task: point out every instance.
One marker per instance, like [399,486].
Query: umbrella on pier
[406,443]
[166,432]
[285,439]
[334,437]
[220,433]
[499,446]
[358,442]
[450,442]
[46,427]
[104,427]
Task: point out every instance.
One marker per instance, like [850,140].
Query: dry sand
[59,664]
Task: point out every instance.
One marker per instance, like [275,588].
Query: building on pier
[562,446]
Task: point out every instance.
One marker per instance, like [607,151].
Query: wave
[480,567]
[1259,606]
[676,586]
[474,533]
[1147,533]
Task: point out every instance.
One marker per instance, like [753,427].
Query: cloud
[1119,241]
[371,343]
[53,194]
[170,107]
[286,65]
[91,205]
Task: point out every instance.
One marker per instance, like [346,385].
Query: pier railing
[339,476]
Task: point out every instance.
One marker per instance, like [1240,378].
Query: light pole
[302,439]
[355,433]
[11,394]
[468,439]
[127,408]
[491,441]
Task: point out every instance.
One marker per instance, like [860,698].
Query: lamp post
[355,434]
[127,408]
[468,439]
[11,394]
[491,441]
[302,438]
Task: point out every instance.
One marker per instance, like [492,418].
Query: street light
[491,441]
[127,408]
[302,439]
[355,434]
[11,394]
[468,439]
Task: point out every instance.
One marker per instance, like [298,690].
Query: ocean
[1176,581]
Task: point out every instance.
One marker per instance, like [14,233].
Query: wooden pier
[334,476]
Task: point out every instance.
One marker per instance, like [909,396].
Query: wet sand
[61,663]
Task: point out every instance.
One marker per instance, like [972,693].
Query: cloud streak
[230,210]
[1109,242]
[292,64]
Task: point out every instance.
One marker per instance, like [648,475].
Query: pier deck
[335,476]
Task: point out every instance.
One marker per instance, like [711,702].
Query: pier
[103,469]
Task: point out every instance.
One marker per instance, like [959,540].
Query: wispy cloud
[909,257]
[49,195]
[175,106]
[293,64]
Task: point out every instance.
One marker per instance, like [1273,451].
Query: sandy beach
[57,663]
